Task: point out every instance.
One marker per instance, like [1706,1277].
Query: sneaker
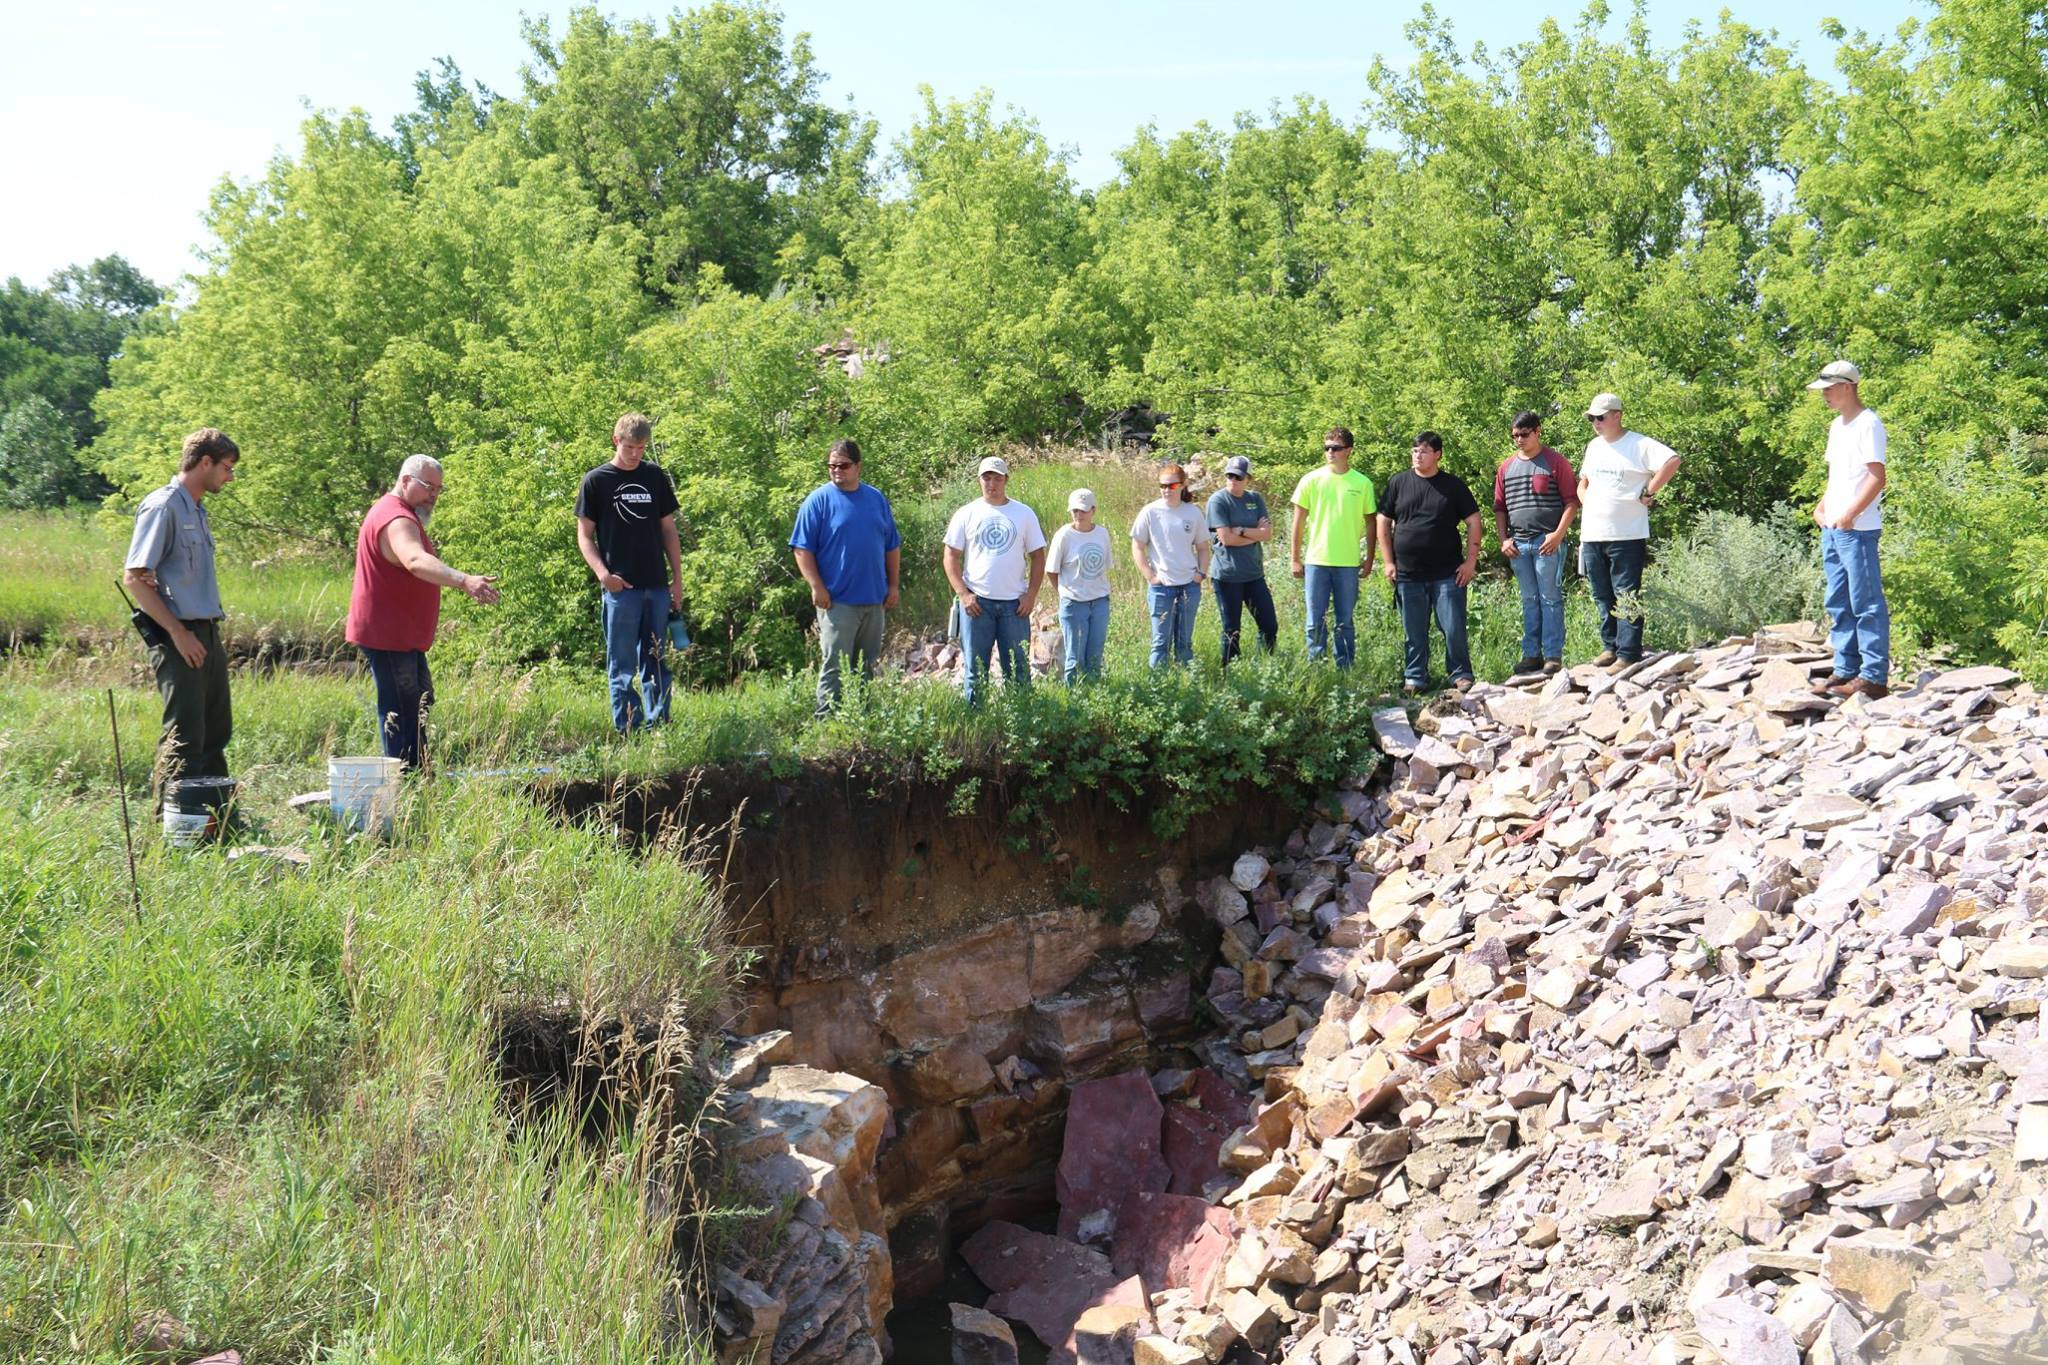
[1462,684]
[1529,664]
[1553,665]
[1832,683]
[1605,659]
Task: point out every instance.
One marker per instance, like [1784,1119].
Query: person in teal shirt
[1239,525]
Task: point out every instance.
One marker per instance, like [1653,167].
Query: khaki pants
[847,632]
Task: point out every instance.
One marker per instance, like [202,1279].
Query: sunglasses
[1332,450]
[1236,476]
[1169,483]
[1519,434]
[1596,418]
[836,466]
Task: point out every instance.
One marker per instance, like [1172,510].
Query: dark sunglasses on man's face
[835,468]
[1521,435]
[1233,476]
[1332,450]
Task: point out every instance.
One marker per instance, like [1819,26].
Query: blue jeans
[1002,628]
[1327,586]
[635,634]
[1417,598]
[1860,620]
[1614,569]
[1083,628]
[1173,621]
[405,691]
[1233,599]
[1541,579]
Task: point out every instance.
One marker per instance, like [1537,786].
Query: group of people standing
[1425,532]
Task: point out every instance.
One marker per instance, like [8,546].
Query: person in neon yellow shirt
[1328,548]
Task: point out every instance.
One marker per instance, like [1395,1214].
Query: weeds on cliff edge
[270,1109]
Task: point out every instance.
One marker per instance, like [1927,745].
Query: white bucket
[187,829]
[363,792]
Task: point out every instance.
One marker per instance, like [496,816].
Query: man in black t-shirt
[626,529]
[1419,522]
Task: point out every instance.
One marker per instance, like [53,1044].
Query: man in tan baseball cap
[1851,513]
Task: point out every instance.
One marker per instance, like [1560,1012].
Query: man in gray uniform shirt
[170,572]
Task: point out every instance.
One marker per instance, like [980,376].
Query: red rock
[1190,1139]
[1215,1096]
[1111,1147]
[1172,1241]
[1043,1282]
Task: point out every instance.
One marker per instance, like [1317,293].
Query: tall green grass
[58,569]
[268,1107]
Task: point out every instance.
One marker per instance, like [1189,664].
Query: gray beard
[425,514]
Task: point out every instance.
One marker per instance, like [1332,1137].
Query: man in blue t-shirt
[847,549]
[1240,526]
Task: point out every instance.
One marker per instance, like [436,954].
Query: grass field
[267,1106]
[58,571]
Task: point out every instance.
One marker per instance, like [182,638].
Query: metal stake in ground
[121,786]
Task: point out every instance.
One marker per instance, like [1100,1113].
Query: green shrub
[1961,554]
[1727,574]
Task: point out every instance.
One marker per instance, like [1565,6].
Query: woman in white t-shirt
[1170,546]
[1078,568]
[1619,478]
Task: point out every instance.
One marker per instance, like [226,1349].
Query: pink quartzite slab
[1111,1147]
[1043,1282]
[1171,1241]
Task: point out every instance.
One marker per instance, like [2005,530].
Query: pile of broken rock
[1674,1014]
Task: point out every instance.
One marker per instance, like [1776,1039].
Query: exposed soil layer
[842,865]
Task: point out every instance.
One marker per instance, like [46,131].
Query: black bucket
[196,809]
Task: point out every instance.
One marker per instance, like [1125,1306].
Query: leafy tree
[39,465]
[968,285]
[700,133]
[55,342]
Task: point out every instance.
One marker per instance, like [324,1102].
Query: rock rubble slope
[1671,1015]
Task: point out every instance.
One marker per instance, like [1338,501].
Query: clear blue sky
[119,116]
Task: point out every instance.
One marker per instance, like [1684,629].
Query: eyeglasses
[1596,418]
[1332,450]
[431,487]
[1169,483]
[1521,435]
[836,465]
[1236,476]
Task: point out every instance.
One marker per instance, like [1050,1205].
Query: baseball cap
[1603,404]
[1237,464]
[1837,372]
[1081,500]
[995,464]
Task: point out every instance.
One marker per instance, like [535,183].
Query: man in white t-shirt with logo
[1170,546]
[995,560]
[1850,513]
[1619,479]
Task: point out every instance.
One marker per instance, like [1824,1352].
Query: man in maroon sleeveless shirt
[396,602]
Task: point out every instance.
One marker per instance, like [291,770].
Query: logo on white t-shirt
[996,534]
[1093,561]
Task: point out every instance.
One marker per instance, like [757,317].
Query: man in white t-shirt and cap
[1850,513]
[995,560]
[1619,478]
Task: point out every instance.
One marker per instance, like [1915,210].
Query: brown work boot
[1863,687]
[1832,683]
[1605,659]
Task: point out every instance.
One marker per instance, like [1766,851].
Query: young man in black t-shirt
[626,529]
[1419,523]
